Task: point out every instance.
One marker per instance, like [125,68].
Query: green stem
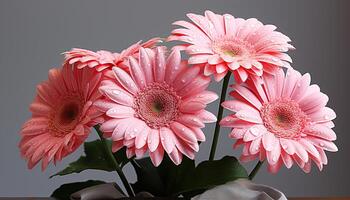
[115,163]
[219,116]
[255,170]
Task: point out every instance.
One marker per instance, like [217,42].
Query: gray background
[34,33]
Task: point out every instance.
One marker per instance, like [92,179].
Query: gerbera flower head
[284,119]
[103,59]
[222,43]
[62,115]
[159,106]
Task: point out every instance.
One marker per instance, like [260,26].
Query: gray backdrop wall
[34,33]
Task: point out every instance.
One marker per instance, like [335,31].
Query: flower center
[157,105]
[65,116]
[284,118]
[232,47]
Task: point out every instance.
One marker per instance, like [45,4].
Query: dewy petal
[146,65]
[269,140]
[183,132]
[137,72]
[321,131]
[167,139]
[159,69]
[125,80]
[173,66]
[153,140]
[157,156]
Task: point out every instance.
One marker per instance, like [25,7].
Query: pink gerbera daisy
[284,120]
[158,106]
[62,115]
[103,59]
[222,43]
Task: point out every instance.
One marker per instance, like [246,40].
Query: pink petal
[269,141]
[214,59]
[248,95]
[117,145]
[119,111]
[172,66]
[183,148]
[140,152]
[217,21]
[157,156]
[198,133]
[290,81]
[321,131]
[117,95]
[237,133]
[206,116]
[153,140]
[146,65]
[185,78]
[323,144]
[323,115]
[191,107]
[287,146]
[250,116]
[190,121]
[255,145]
[198,59]
[234,122]
[230,26]
[136,72]
[125,80]
[300,151]
[236,105]
[254,132]
[205,97]
[119,130]
[159,67]
[287,160]
[275,168]
[141,138]
[313,102]
[167,139]
[274,155]
[310,148]
[175,156]
[183,132]
[301,87]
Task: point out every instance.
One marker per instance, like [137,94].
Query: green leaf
[212,173]
[95,158]
[148,177]
[64,191]
[185,179]
[161,180]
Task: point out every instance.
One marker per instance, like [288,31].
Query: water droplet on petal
[162,138]
[182,129]
[254,131]
[321,144]
[183,80]
[274,159]
[327,117]
[116,92]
